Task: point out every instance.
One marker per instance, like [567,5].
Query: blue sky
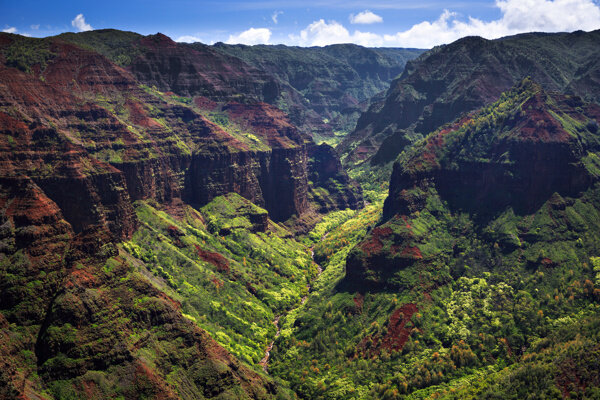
[423,23]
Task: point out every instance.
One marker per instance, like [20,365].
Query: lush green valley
[447,298]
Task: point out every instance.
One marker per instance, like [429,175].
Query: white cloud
[365,17]
[188,39]
[251,36]
[80,24]
[517,16]
[321,33]
[276,15]
[35,27]
[11,29]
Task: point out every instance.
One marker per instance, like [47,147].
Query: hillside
[481,279]
[465,75]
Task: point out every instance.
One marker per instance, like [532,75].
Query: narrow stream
[265,360]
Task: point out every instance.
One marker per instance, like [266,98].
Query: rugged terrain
[462,76]
[322,90]
[334,83]
[82,140]
[170,228]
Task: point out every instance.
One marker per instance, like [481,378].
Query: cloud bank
[80,24]
[321,33]
[517,16]
[11,29]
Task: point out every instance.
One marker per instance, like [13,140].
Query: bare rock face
[273,179]
[519,159]
[104,117]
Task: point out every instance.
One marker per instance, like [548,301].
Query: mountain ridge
[465,75]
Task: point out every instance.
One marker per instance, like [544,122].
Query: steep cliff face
[90,193]
[276,179]
[163,145]
[79,141]
[465,75]
[199,71]
[323,90]
[528,151]
[332,188]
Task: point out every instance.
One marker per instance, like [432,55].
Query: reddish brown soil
[139,116]
[174,231]
[359,300]
[573,376]
[218,283]
[147,378]
[205,103]
[412,252]
[428,158]
[540,125]
[398,333]
[546,262]
[215,259]
[374,244]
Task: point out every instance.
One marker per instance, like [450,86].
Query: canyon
[276,222]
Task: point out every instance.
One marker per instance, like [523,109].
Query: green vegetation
[478,279]
[330,81]
[438,302]
[520,115]
[448,81]
[119,46]
[231,276]
[485,316]
[25,53]
[333,141]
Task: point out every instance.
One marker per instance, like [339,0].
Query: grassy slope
[232,284]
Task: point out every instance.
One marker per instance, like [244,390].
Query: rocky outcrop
[498,177]
[67,315]
[199,71]
[80,140]
[518,159]
[273,179]
[128,132]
